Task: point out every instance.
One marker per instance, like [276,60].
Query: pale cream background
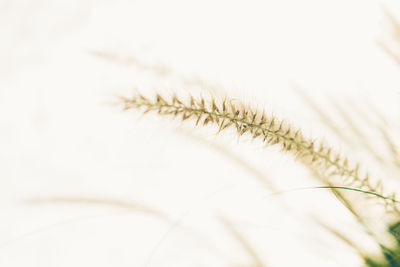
[59,137]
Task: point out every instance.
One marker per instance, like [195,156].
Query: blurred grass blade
[247,247]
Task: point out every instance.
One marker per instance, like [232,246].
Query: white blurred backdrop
[84,184]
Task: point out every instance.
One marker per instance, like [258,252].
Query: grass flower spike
[271,130]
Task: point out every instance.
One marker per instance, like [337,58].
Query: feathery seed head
[229,112]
